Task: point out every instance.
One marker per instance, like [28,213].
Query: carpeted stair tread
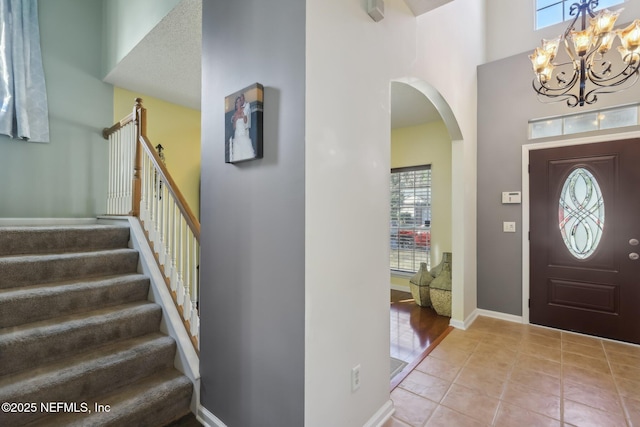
[36,269]
[76,326]
[151,402]
[83,376]
[45,301]
[57,338]
[62,238]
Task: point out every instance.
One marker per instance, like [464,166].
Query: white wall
[350,61]
[511,26]
[449,64]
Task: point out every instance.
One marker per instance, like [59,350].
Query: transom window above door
[550,12]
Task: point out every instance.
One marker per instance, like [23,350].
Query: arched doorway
[433,104]
[423,128]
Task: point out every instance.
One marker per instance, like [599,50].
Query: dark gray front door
[584,238]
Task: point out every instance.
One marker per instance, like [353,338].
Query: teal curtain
[24,113]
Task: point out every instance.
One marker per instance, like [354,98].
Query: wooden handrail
[139,115]
[106,132]
[176,246]
[167,180]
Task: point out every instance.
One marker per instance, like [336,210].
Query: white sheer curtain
[24,113]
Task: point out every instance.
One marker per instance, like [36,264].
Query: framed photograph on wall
[243,124]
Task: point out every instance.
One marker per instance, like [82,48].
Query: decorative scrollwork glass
[581,213]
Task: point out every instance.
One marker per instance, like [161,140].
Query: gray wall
[252,268]
[506,102]
[65,178]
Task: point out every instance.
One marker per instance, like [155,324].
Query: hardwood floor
[415,331]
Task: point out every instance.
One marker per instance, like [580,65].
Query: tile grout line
[506,381]
[519,352]
[627,416]
[439,403]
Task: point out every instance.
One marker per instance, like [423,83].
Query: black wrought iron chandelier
[589,71]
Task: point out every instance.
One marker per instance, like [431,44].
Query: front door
[584,238]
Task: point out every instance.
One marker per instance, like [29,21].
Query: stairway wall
[67,177]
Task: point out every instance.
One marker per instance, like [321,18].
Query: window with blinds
[410,226]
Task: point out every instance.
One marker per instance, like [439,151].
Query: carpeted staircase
[76,331]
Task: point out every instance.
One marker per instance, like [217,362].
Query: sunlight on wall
[428,144]
[177,129]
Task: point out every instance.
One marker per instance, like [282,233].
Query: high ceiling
[167,64]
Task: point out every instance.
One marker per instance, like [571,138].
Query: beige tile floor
[499,373]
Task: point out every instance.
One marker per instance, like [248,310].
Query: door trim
[526,204]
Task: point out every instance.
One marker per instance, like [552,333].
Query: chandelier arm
[560,89]
[591,6]
[571,99]
[615,80]
[603,89]
[547,98]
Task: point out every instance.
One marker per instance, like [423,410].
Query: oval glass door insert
[581,213]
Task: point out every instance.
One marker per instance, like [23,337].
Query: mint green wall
[126,23]
[64,178]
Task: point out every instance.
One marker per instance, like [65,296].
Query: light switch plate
[509,227]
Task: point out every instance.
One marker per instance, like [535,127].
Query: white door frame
[525,198]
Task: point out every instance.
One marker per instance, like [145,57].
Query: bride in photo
[241,146]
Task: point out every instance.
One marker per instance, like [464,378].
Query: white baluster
[186,305]
[187,264]
[122,152]
[169,234]
[149,197]
[194,322]
[116,173]
[181,262]
[195,286]
[110,179]
[143,189]
[166,226]
[160,222]
[176,248]
[122,144]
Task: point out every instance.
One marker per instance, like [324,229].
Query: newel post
[140,117]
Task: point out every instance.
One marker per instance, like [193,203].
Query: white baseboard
[377,420]
[17,222]
[382,415]
[207,418]
[487,313]
[464,324]
[499,315]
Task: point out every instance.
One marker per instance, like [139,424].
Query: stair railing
[140,185]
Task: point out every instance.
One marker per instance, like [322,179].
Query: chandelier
[588,69]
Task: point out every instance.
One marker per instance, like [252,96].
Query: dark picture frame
[243,120]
